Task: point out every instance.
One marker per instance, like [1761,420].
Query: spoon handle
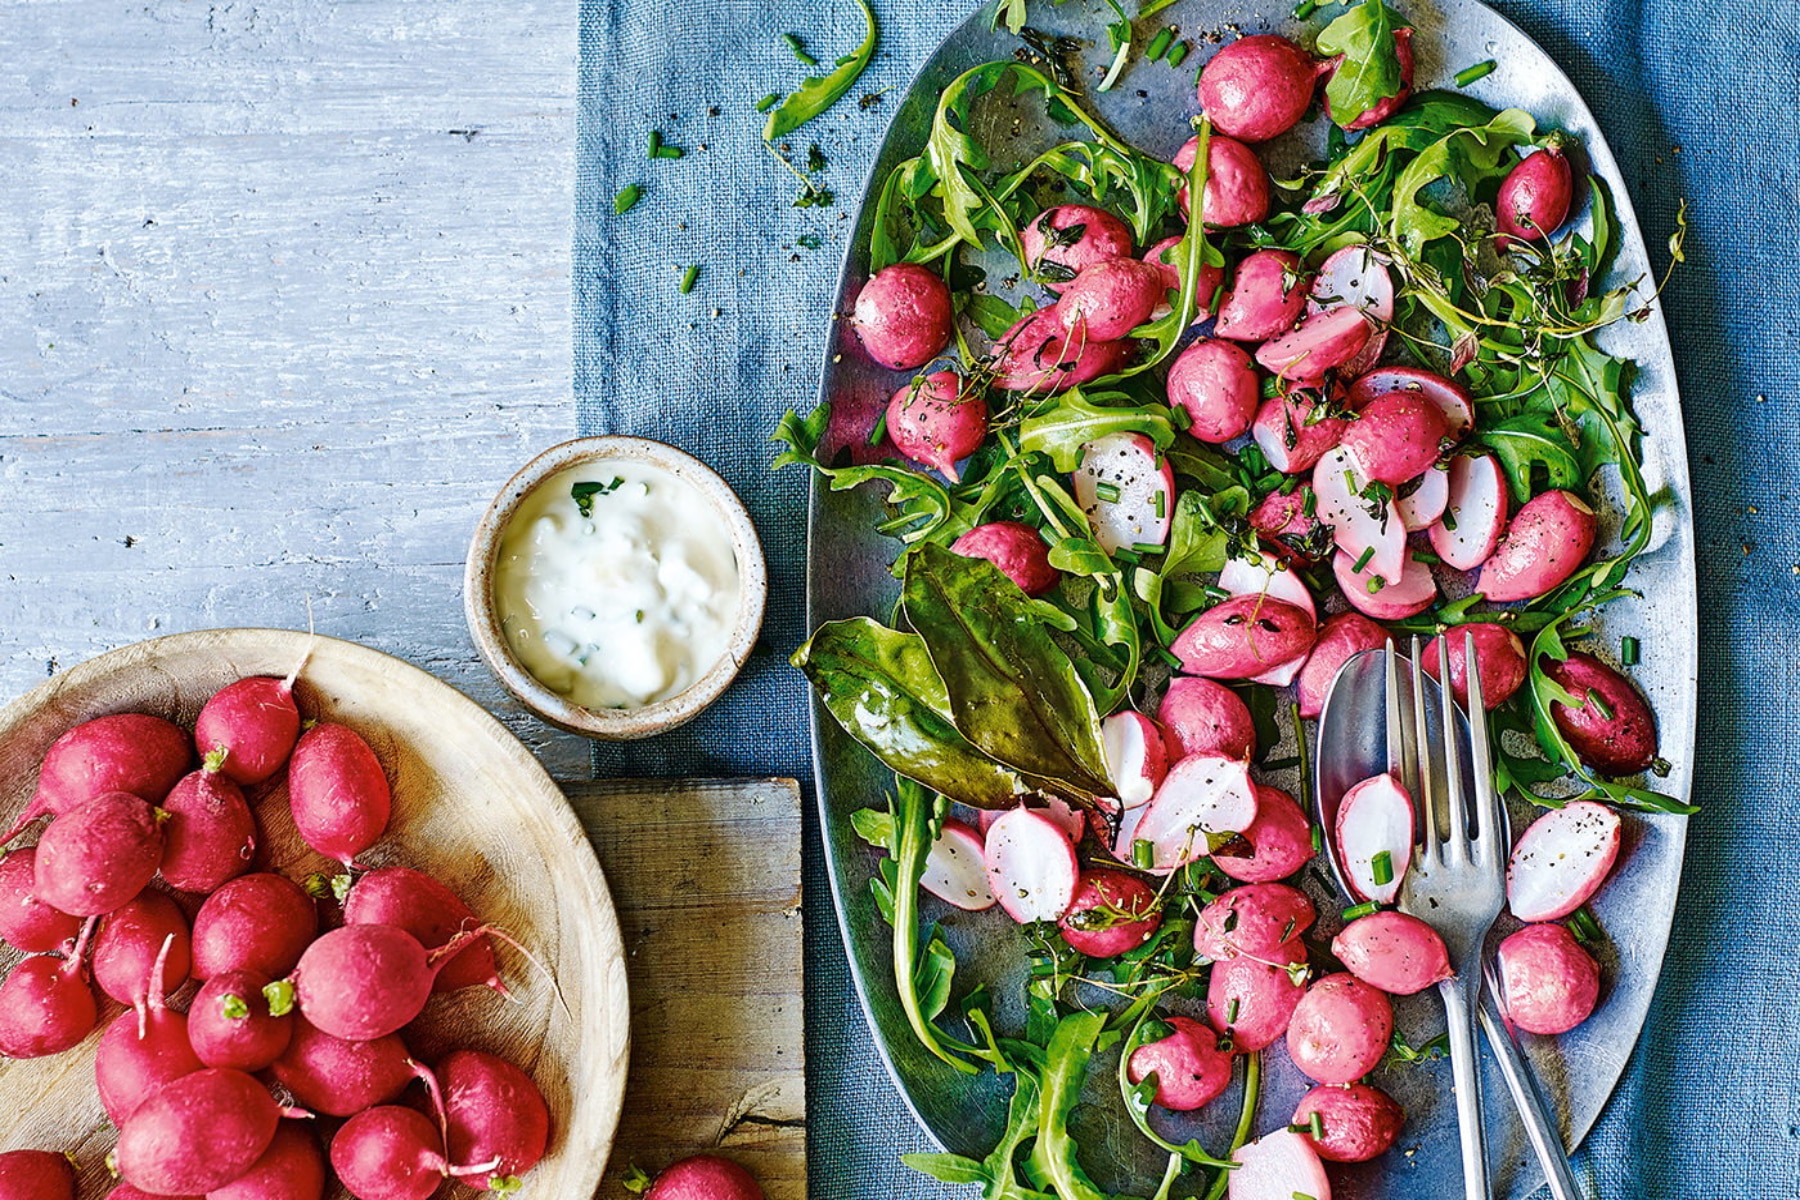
[1465,1068]
[1540,1127]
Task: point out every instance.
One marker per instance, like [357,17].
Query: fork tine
[1487,799]
[1458,844]
[1399,745]
[1424,798]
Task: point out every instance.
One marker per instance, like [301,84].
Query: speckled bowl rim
[622,724]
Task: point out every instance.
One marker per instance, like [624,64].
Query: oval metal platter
[849,575]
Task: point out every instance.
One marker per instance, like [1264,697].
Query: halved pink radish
[1202,794]
[1357,276]
[1129,820]
[1249,573]
[1112,912]
[1546,542]
[1244,637]
[1278,1166]
[1397,437]
[1375,837]
[955,870]
[1319,343]
[1058,812]
[1203,716]
[1293,433]
[1030,866]
[1136,756]
[1343,636]
[1449,396]
[1562,860]
[1474,512]
[1423,501]
[1360,525]
[1127,491]
[1374,597]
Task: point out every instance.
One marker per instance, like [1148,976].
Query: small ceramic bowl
[614,724]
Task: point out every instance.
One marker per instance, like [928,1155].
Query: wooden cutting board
[705,875]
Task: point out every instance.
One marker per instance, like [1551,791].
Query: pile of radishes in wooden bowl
[278,930]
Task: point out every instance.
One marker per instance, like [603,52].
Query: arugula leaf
[820,92]
[913,809]
[922,505]
[1370,70]
[1065,1068]
[1525,442]
[1468,155]
[948,1168]
[1063,426]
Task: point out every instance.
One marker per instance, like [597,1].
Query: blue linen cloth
[1696,103]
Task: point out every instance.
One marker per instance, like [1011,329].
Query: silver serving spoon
[1352,746]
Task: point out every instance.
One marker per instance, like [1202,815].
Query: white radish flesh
[1375,837]
[1204,793]
[1030,866]
[1136,756]
[1474,512]
[1288,435]
[1254,574]
[954,870]
[1562,860]
[1354,276]
[1126,492]
[1374,597]
[1421,507]
[1359,525]
[1278,1166]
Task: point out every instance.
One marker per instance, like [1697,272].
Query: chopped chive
[1231,1011]
[1305,9]
[1448,520]
[1159,45]
[1316,1122]
[1287,931]
[1382,867]
[1178,54]
[1584,927]
[1600,705]
[688,278]
[769,101]
[1376,583]
[1362,560]
[628,196]
[1126,554]
[1480,70]
[1318,838]
[1163,655]
[656,144]
[1425,556]
[1218,294]
[1157,502]
[880,430]
[1361,910]
[1108,492]
[1180,417]
[1628,651]
[1143,854]
[799,49]
[670,152]
[1309,502]
[1144,548]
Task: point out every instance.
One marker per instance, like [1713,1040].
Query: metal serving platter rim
[847,573]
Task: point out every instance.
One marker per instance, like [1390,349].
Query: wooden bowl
[471,807]
[614,724]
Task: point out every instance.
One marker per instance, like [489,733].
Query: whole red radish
[198,1133]
[1610,725]
[493,1114]
[126,752]
[362,982]
[1112,912]
[1387,107]
[337,1077]
[1190,1066]
[389,1153]
[249,728]
[46,1005]
[1061,242]
[26,922]
[94,858]
[1237,184]
[1258,87]
[1356,1122]
[1017,549]
[131,939]
[142,1051]
[209,835]
[1548,983]
[432,913]
[903,316]
[339,793]
[705,1177]
[36,1175]
[1535,197]
[936,421]
[292,1168]
[231,1022]
[258,922]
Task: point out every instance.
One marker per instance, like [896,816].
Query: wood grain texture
[284,299]
[706,876]
[471,807]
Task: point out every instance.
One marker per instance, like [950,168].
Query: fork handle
[1534,1113]
[1465,1068]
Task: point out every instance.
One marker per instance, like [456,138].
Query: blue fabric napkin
[1697,104]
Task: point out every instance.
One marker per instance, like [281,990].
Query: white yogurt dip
[616,584]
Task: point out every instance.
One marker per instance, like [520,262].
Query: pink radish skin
[705,1177]
[336,1077]
[1499,657]
[1534,198]
[1258,87]
[1017,549]
[1258,920]
[1030,866]
[26,922]
[1342,637]
[1548,983]
[36,1175]
[954,870]
[1103,237]
[141,1052]
[903,316]
[1397,437]
[1190,1067]
[1277,1166]
[1340,1029]
[933,422]
[126,752]
[1375,817]
[230,1025]
[292,1168]
[1617,735]
[1360,1121]
[1393,951]
[125,1191]
[1294,434]
[1280,841]
[362,982]
[338,792]
[1284,520]
[1243,637]
[1039,356]
[1387,107]
[1252,1000]
[209,835]
[1267,296]
[46,1005]
[1162,257]
[1202,794]
[1237,185]
[1137,758]
[433,914]
[1421,503]
[1561,861]
[258,922]
[1110,299]
[1371,596]
[251,726]
[1216,385]
[1320,343]
[495,1115]
[1108,932]
[1475,509]
[389,1153]
[1146,491]
[92,859]
[198,1133]
[1547,542]
[131,940]
[1200,716]
[1450,397]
